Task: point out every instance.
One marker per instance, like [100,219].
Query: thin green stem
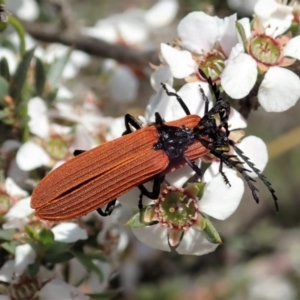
[20,31]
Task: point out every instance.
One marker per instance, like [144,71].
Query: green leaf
[210,232]
[4,69]
[7,234]
[10,246]
[40,76]
[3,90]
[88,263]
[46,236]
[241,32]
[56,248]
[56,69]
[97,256]
[142,218]
[32,233]
[19,78]
[59,257]
[34,268]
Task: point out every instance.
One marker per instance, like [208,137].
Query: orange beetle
[100,175]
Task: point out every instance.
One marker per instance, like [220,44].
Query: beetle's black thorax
[174,140]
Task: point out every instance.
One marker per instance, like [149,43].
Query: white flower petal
[13,189]
[38,123]
[116,128]
[28,10]
[70,71]
[64,93]
[279,90]
[181,63]
[69,233]
[160,102]
[7,271]
[153,236]
[180,176]
[82,139]
[238,84]
[123,85]
[195,243]
[170,109]
[131,198]
[228,35]
[17,216]
[31,156]
[162,75]
[132,26]
[236,120]
[79,58]
[256,149]
[24,256]
[292,48]
[198,32]
[211,171]
[162,13]
[245,22]
[219,200]
[276,18]
[103,30]
[58,289]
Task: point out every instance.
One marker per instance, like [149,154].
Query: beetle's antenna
[261,176]
[212,85]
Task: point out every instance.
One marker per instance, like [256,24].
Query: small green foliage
[19,77]
[40,77]
[210,232]
[142,218]
[56,69]
[7,234]
[33,269]
[3,90]
[241,32]
[4,69]
[10,246]
[46,236]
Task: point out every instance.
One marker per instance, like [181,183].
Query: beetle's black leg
[157,181]
[182,104]
[193,166]
[204,97]
[131,120]
[108,210]
[158,119]
[226,180]
[77,152]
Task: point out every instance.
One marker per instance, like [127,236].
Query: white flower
[77,59]
[24,256]
[53,142]
[218,201]
[207,48]
[276,17]
[68,233]
[280,88]
[133,28]
[18,215]
[27,10]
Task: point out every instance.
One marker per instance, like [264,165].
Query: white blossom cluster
[237,54]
